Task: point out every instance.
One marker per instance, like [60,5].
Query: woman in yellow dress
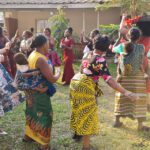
[38,105]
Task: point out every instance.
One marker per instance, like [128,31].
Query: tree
[58,25]
[132,7]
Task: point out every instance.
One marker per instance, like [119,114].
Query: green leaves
[133,7]
[110,30]
[58,25]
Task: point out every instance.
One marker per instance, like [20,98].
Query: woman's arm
[113,84]
[122,23]
[47,71]
[29,74]
[15,38]
[118,40]
[67,47]
[83,39]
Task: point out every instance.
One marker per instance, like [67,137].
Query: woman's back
[33,58]
[130,64]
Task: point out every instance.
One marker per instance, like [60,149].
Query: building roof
[48,3]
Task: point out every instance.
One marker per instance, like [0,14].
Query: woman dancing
[133,79]
[83,92]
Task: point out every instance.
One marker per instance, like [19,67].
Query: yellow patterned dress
[83,92]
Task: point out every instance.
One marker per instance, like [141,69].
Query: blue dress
[9,95]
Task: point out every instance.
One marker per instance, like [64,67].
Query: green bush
[58,25]
[110,30]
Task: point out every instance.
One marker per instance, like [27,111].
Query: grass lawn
[125,138]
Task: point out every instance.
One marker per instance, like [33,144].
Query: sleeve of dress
[99,68]
[105,72]
[118,49]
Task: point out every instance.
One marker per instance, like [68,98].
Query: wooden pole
[98,19]
[134,7]
[83,20]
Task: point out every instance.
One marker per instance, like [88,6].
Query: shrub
[110,30]
[58,25]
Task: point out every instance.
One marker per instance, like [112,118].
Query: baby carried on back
[27,79]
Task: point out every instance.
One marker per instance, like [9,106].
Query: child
[30,79]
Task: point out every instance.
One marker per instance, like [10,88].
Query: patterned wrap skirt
[38,117]
[124,107]
[84,118]
[10,97]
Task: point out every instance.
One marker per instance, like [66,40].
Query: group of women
[38,54]
[132,85]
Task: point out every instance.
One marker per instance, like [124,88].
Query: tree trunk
[134,7]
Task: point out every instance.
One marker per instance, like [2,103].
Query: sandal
[117,124]
[77,138]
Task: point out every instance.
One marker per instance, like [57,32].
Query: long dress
[132,79]
[9,95]
[38,110]
[83,93]
[146,42]
[68,61]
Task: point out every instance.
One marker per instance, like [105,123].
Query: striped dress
[132,79]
